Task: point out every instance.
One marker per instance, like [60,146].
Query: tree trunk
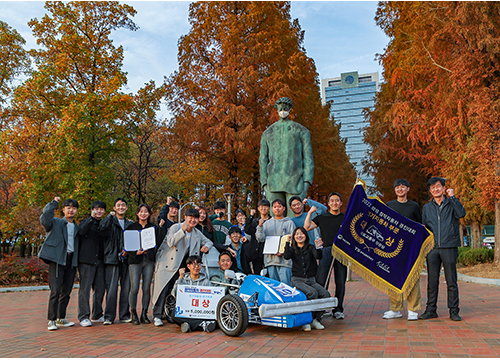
[477,238]
[496,261]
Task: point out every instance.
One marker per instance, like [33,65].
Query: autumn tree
[236,61]
[143,173]
[70,113]
[441,95]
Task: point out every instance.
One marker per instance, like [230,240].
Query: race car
[261,300]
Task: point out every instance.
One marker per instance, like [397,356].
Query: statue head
[284,105]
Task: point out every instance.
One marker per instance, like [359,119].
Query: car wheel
[232,315]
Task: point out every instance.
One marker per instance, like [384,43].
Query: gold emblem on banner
[377,251]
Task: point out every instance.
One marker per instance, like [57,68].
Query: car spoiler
[298,307]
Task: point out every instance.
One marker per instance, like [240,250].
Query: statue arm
[308,157]
[263,161]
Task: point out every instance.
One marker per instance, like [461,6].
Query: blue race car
[260,300]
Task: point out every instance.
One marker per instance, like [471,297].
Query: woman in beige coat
[182,240]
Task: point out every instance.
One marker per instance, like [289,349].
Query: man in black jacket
[115,262]
[442,217]
[91,266]
[252,249]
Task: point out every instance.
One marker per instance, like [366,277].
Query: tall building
[349,94]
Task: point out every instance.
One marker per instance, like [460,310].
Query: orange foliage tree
[236,61]
[439,106]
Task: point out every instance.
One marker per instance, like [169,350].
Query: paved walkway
[363,333]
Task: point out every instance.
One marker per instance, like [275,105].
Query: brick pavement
[363,333]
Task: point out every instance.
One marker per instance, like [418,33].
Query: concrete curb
[30,288]
[477,280]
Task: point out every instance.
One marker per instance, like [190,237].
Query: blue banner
[382,246]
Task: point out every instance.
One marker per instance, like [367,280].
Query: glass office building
[349,94]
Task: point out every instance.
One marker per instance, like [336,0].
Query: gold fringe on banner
[382,284]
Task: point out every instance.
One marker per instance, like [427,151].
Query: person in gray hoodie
[60,251]
[195,278]
[277,267]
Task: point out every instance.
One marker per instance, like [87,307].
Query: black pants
[61,279]
[339,273]
[448,258]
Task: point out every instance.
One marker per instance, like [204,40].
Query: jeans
[324,266]
[91,277]
[339,273]
[61,279]
[312,290]
[447,257]
[146,269]
[280,273]
[115,274]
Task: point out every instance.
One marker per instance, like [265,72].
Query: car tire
[232,315]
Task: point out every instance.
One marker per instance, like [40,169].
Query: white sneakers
[52,325]
[85,323]
[397,314]
[314,325]
[392,314]
[101,319]
[64,323]
[412,315]
[317,325]
[157,321]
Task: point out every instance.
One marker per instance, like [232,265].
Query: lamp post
[229,199]
[182,207]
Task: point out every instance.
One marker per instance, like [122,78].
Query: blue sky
[340,36]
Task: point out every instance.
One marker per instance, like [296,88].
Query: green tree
[70,113]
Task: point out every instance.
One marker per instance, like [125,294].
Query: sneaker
[306,327]
[123,321]
[107,322]
[185,327]
[209,326]
[85,323]
[101,319]
[412,315]
[338,315]
[52,325]
[317,325]
[327,313]
[157,321]
[392,314]
[454,316]
[64,323]
[428,315]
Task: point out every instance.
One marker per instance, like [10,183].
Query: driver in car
[197,278]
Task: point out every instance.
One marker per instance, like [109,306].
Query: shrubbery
[15,270]
[468,256]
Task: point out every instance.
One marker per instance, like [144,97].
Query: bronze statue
[286,157]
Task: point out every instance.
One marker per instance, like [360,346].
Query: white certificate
[272,244]
[148,238]
[132,240]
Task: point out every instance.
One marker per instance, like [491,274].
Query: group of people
[107,270]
